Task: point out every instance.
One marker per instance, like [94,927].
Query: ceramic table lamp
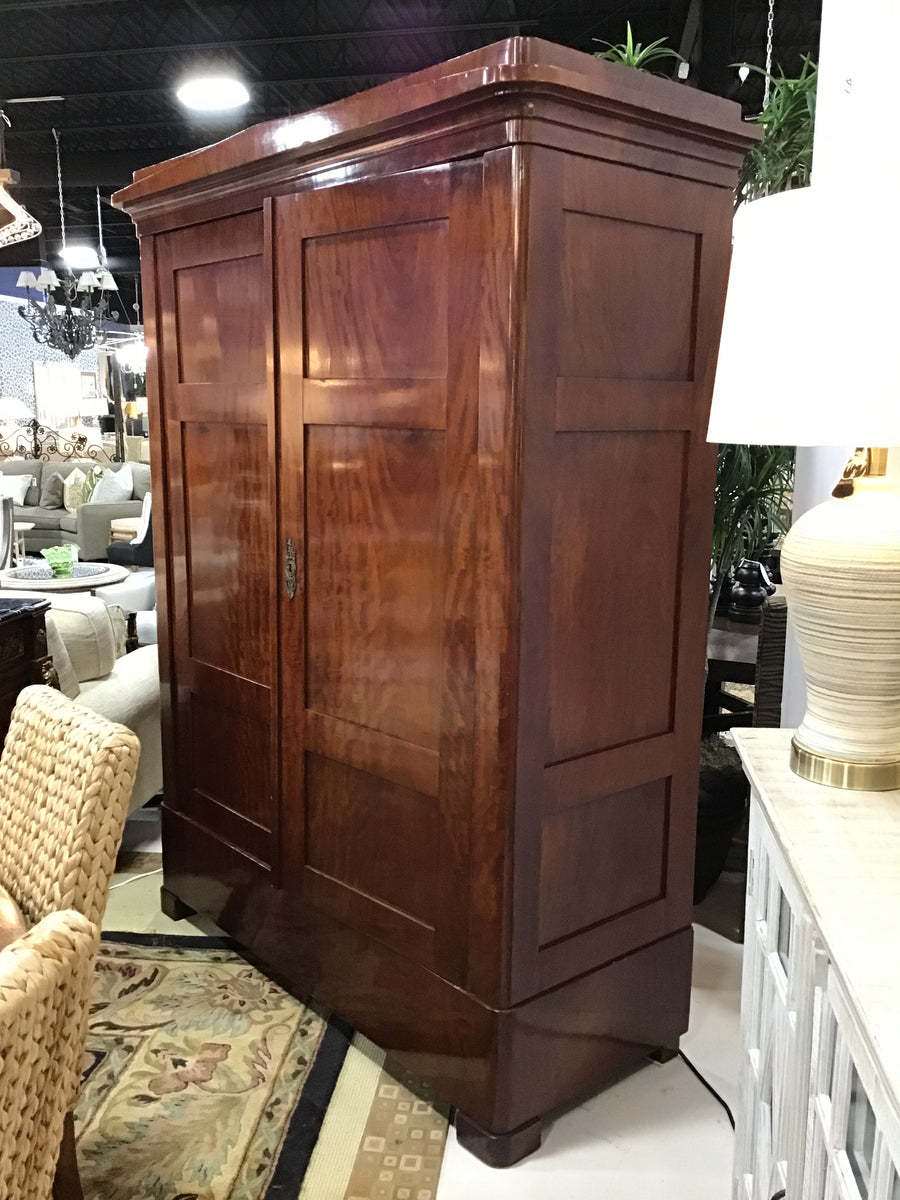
[810,356]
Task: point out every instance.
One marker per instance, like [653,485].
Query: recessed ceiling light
[211,92]
[80,258]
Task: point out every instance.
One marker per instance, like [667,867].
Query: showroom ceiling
[112,66]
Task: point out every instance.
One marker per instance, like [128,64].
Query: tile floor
[656,1135]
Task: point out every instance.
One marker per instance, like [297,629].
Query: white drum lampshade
[810,356]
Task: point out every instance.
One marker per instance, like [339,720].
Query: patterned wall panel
[18,350]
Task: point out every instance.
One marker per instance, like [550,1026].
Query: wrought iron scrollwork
[37,441]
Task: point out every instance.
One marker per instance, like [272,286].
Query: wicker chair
[66,776]
[45,980]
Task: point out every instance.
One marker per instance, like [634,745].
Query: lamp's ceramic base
[840,773]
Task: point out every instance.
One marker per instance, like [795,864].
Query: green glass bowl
[60,559]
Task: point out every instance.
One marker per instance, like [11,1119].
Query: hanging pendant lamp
[16,223]
[74,311]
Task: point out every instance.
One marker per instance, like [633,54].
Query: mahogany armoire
[429,378]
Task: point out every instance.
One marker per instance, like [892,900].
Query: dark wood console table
[23,652]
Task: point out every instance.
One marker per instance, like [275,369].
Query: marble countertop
[844,848]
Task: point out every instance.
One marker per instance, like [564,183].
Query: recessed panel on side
[372,836]
[228,527]
[374,544]
[602,859]
[220,310]
[614,588]
[376,302]
[629,304]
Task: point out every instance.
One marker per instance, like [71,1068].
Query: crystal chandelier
[72,315]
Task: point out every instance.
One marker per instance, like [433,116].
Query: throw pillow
[73,490]
[86,627]
[94,475]
[52,490]
[15,486]
[114,486]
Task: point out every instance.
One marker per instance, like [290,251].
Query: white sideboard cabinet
[819,1102]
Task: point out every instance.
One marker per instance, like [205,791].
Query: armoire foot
[172,907]
[498,1149]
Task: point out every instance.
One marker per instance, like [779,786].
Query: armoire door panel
[229,558]
[379,370]
[373,589]
[376,302]
[230,826]
[215,337]
[583,849]
[400,403]
[378,753]
[372,836]
[233,780]
[614,581]
[220,313]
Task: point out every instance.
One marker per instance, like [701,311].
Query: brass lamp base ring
[841,773]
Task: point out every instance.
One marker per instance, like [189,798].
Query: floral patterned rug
[204,1080]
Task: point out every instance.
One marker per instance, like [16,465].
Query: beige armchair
[66,777]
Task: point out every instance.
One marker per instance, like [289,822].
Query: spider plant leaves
[782,160]
[634,54]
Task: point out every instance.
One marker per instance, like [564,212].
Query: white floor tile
[657,1135]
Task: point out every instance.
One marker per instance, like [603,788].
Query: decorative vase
[60,559]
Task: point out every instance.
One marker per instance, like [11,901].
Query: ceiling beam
[297,79]
[106,169]
[251,43]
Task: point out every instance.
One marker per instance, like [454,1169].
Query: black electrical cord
[712,1091]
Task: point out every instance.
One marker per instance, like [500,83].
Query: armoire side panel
[614,563]
[213,281]
[617,338]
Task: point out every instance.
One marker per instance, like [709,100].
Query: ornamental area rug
[204,1080]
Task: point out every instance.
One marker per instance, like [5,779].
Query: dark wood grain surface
[461,372]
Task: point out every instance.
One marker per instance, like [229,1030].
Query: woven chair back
[66,776]
[45,980]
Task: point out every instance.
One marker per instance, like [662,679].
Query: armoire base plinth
[499,1149]
[558,1047]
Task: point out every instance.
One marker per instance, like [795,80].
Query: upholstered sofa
[86,639]
[54,525]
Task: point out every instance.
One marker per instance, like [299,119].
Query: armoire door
[378,357]
[214,304]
